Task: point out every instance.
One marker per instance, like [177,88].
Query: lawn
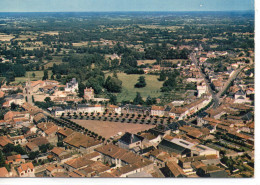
[129,91]
[38,76]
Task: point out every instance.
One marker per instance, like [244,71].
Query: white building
[26,170]
[72,86]
[202,88]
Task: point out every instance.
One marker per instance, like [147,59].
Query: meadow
[129,91]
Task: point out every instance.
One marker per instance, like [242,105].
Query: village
[209,134]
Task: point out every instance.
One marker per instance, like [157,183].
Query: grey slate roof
[129,138]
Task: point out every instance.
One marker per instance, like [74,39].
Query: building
[202,88]
[60,154]
[81,143]
[157,111]
[129,141]
[26,170]
[72,86]
[114,109]
[136,109]
[4,172]
[89,93]
[202,150]
[178,146]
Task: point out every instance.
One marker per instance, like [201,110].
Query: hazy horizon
[124,5]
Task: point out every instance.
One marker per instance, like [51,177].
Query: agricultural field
[143,62]
[129,91]
[172,28]
[4,37]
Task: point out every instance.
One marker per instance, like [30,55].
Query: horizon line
[129,11]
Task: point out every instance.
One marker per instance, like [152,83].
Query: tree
[47,99]
[2,159]
[45,75]
[113,84]
[112,99]
[33,75]
[138,99]
[81,90]
[162,76]
[141,82]
[13,106]
[115,74]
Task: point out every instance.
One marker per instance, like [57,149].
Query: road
[233,77]
[214,97]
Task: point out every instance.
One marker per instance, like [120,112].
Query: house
[48,130]
[72,86]
[202,89]
[52,168]
[17,99]
[19,140]
[81,143]
[77,163]
[157,111]
[4,141]
[63,133]
[15,159]
[160,157]
[26,170]
[17,119]
[4,172]
[40,117]
[92,170]
[178,113]
[129,141]
[136,109]
[191,164]
[119,157]
[34,143]
[114,109]
[212,171]
[34,86]
[89,93]
[57,111]
[172,169]
[89,108]
[175,126]
[59,154]
[151,138]
[240,97]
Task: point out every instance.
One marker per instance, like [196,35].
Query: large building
[72,86]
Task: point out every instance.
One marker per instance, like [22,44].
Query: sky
[123,5]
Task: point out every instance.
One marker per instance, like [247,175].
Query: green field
[129,92]
[38,76]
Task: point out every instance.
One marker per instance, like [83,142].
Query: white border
[164,181]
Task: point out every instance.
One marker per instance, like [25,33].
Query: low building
[89,93]
[81,143]
[212,171]
[179,146]
[157,111]
[26,170]
[129,141]
[72,86]
[4,172]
